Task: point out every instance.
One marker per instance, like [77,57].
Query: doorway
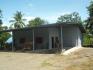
[54,42]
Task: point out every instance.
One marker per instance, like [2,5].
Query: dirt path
[22,61]
[81,60]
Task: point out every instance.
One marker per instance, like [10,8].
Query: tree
[36,22]
[0,17]
[89,21]
[73,17]
[0,13]
[18,21]
[4,36]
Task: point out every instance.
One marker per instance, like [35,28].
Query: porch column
[33,41]
[78,38]
[50,46]
[12,42]
[61,39]
[12,45]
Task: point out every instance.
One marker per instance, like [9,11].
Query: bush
[87,40]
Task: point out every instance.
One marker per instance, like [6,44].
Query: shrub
[87,40]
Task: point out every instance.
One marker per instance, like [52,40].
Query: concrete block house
[50,36]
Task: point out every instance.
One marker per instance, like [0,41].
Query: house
[50,36]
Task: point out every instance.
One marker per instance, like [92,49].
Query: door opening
[54,42]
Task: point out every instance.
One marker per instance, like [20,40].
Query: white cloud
[47,18]
[52,18]
[6,24]
[29,18]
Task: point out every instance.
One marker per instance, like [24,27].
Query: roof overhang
[49,25]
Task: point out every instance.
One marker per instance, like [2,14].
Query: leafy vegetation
[36,22]
[89,21]
[18,21]
[88,37]
[87,40]
[3,36]
[0,18]
[73,17]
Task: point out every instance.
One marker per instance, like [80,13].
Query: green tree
[73,17]
[87,39]
[18,21]
[36,22]
[4,36]
[0,13]
[2,27]
[89,21]
[0,18]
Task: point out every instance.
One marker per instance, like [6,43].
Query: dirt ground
[81,60]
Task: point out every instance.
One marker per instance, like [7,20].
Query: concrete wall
[71,36]
[42,32]
[53,32]
[28,35]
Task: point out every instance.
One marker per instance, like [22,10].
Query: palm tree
[18,21]
[1,17]
[0,13]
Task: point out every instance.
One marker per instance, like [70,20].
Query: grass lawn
[81,60]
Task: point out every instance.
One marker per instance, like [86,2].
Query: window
[22,40]
[39,40]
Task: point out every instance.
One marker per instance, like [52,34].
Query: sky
[48,10]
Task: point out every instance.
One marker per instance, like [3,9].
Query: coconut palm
[0,13]
[18,21]
[0,17]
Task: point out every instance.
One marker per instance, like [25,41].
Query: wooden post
[77,38]
[12,42]
[33,41]
[61,39]
[50,46]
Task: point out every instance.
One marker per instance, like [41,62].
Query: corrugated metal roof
[47,26]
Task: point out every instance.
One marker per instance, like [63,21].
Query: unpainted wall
[17,35]
[42,32]
[28,35]
[71,36]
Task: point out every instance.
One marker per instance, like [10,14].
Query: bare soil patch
[80,60]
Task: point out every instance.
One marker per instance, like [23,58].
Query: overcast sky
[49,10]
